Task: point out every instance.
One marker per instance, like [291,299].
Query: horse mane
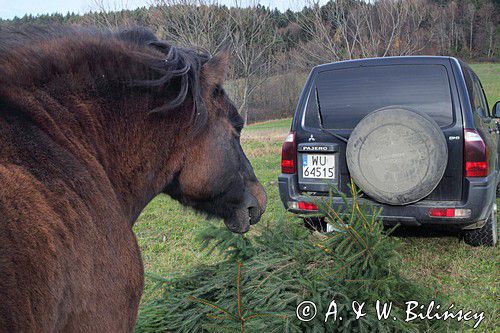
[132,59]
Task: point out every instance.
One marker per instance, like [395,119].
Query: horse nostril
[254,211]
[254,214]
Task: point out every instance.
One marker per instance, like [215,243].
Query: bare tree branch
[199,23]
[252,39]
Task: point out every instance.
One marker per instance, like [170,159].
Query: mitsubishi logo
[311,138]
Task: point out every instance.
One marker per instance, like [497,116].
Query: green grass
[469,276]
[489,74]
[270,125]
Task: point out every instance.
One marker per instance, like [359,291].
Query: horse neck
[105,127]
[136,152]
[126,151]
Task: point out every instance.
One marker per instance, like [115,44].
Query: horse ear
[214,70]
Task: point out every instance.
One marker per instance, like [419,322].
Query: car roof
[414,60]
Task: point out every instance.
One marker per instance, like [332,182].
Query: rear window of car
[345,96]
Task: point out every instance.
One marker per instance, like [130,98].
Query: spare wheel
[397,156]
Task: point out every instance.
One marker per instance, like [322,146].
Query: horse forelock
[130,59]
[185,65]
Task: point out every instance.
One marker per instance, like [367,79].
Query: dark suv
[415,134]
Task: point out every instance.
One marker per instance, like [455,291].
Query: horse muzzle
[248,214]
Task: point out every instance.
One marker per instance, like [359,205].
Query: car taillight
[289,155]
[302,205]
[307,206]
[450,212]
[476,154]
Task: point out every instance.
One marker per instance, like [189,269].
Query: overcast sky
[11,8]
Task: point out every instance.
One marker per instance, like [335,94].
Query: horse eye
[214,93]
[217,91]
[238,123]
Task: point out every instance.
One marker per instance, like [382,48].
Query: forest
[272,51]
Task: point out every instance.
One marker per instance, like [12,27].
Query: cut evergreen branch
[262,279]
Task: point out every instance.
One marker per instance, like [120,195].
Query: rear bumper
[479,196]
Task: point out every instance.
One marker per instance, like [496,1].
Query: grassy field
[469,276]
[489,74]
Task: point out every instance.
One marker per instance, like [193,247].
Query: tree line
[272,51]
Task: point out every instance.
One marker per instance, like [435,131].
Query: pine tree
[262,280]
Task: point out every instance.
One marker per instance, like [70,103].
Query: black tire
[485,236]
[315,224]
[397,156]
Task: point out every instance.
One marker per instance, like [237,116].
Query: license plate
[318,166]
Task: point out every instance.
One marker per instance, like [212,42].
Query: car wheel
[315,224]
[485,236]
[397,156]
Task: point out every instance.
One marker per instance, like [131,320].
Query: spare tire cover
[397,156]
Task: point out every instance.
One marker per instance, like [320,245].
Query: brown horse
[94,125]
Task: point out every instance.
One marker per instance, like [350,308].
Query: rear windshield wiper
[324,130]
